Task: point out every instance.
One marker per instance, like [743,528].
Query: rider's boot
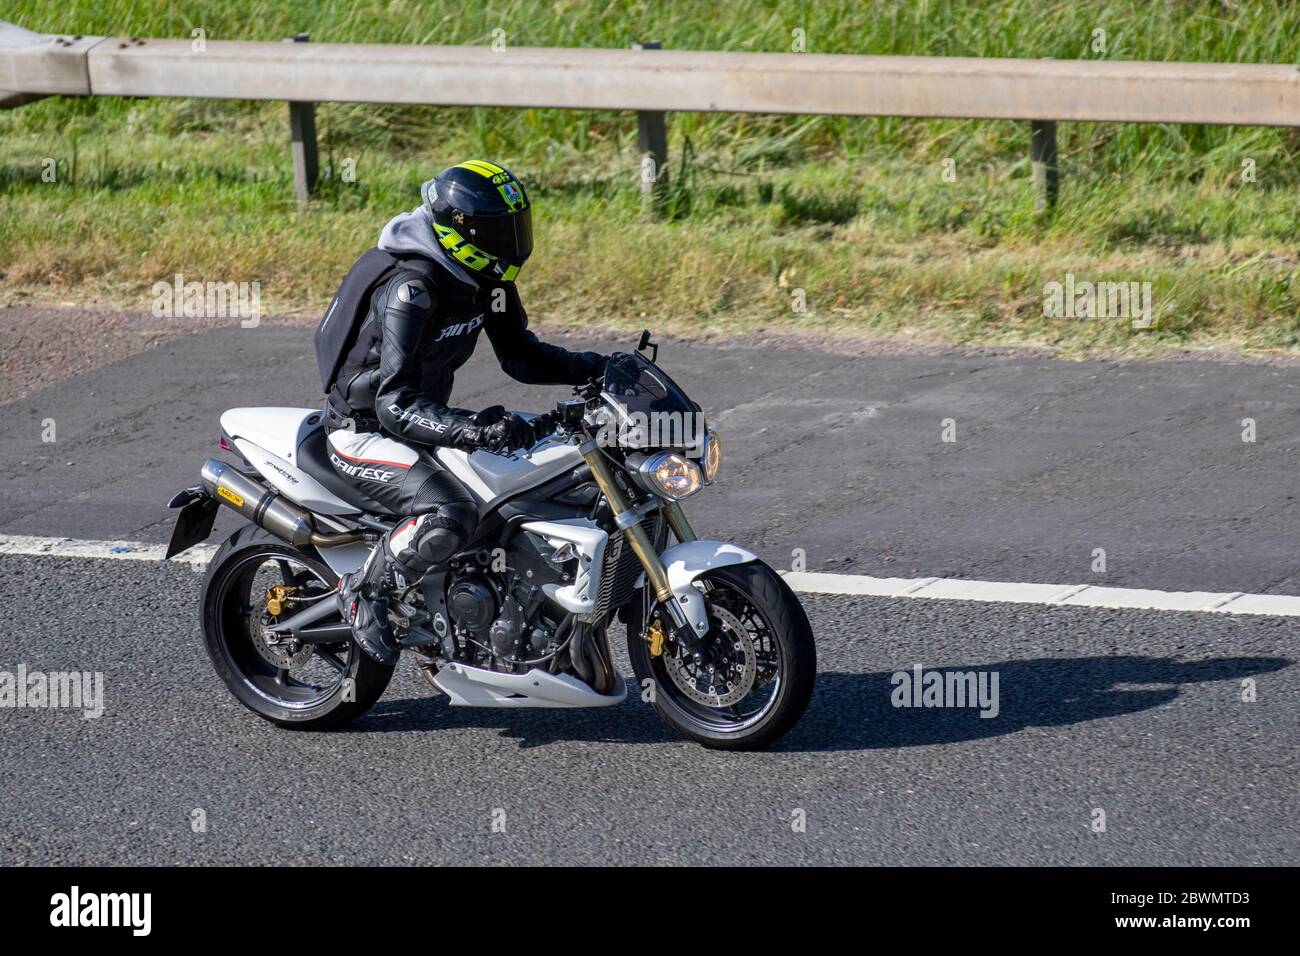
[403,557]
[363,601]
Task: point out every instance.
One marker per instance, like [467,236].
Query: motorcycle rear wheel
[304,691]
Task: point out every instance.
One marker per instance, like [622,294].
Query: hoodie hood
[411,233]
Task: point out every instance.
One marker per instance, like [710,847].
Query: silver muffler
[267,508]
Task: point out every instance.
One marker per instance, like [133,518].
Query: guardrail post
[652,148]
[1042,158]
[302,136]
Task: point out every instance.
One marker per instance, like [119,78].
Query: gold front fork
[677,521]
[627,521]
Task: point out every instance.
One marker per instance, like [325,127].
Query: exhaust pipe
[266,508]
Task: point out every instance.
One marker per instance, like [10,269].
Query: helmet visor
[506,237]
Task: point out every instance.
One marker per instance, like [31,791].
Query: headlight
[712,457]
[671,475]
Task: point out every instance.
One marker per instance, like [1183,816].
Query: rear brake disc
[276,653]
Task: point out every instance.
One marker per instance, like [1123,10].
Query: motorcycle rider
[457,256]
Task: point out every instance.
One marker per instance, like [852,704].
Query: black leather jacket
[422,325]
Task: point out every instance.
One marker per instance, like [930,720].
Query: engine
[499,618]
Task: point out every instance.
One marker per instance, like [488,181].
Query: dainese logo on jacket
[460,328]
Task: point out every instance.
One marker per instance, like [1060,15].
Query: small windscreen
[654,412]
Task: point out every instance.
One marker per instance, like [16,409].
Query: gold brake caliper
[276,595]
[654,636]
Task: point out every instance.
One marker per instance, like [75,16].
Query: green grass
[855,212]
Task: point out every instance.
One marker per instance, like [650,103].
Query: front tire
[302,691]
[754,601]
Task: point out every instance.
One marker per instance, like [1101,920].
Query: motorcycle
[574,532]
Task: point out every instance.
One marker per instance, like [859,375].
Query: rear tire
[232,647]
[772,601]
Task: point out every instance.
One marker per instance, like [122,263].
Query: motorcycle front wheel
[313,687]
[753,676]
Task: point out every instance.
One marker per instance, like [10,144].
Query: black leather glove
[509,432]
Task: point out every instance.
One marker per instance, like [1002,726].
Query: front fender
[687,561]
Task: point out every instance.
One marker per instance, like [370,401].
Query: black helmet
[482,217]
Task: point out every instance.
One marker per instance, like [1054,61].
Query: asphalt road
[1137,714]
[838,455]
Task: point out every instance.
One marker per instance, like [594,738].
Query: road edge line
[807,582]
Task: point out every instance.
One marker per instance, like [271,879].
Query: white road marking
[811,582]
[197,557]
[1063,595]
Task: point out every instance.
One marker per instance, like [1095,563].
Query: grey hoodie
[412,233]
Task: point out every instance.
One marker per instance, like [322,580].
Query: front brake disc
[726,681]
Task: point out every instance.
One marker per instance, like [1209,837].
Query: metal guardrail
[653,81]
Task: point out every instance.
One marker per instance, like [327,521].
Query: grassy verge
[854,219]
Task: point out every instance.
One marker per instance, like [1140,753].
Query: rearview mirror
[646,343]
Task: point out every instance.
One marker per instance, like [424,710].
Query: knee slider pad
[431,539]
[439,544]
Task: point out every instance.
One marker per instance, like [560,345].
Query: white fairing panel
[589,541]
[278,430]
[477,687]
[491,477]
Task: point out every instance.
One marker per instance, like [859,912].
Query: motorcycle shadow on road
[859,711]
[862,711]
